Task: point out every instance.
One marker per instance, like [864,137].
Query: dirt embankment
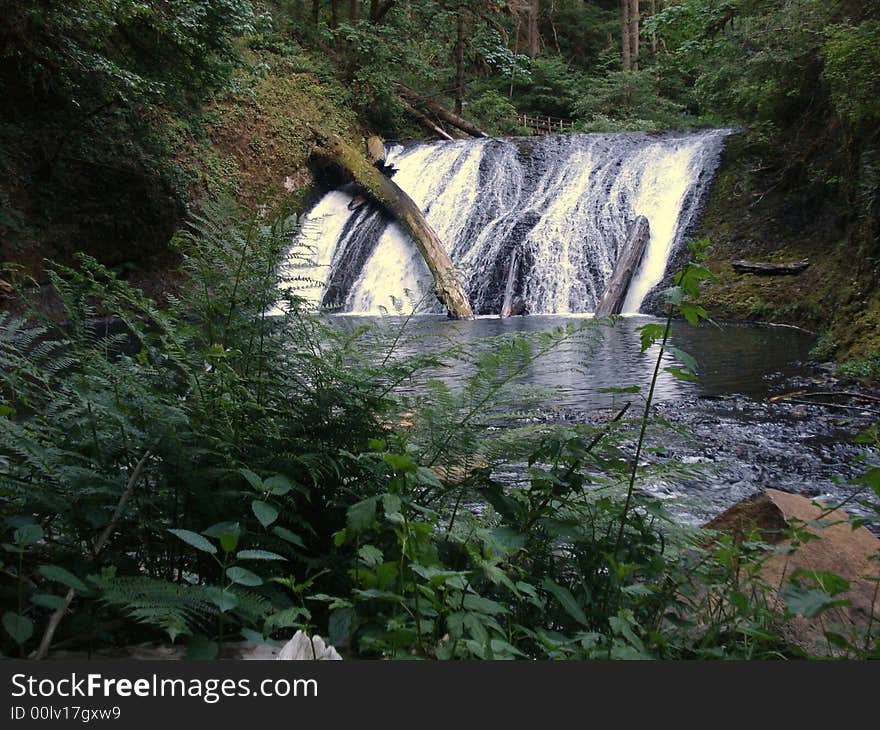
[752,215]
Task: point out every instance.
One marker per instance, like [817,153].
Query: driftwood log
[511,306]
[627,263]
[439,111]
[769,269]
[381,189]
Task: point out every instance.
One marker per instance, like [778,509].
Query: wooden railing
[544,124]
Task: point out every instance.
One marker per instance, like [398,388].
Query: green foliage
[852,58]
[863,368]
[627,101]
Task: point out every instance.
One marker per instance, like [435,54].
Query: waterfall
[564,203]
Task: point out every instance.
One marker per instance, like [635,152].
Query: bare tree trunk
[447,116]
[655,47]
[383,190]
[625,268]
[334,14]
[634,18]
[459,61]
[534,34]
[625,34]
[423,119]
[354,11]
[316,12]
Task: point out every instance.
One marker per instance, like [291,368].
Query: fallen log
[828,394]
[511,307]
[425,121]
[627,263]
[439,111]
[765,268]
[447,285]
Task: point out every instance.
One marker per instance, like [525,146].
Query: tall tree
[534,34]
[629,34]
[634,18]
[459,59]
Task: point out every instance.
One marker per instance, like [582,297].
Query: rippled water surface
[735,439]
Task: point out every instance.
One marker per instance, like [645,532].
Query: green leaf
[339,626]
[649,334]
[400,462]
[223,599]
[60,575]
[288,536]
[243,576]
[674,295]
[287,618]
[278,484]
[474,602]
[680,374]
[265,512]
[371,555]
[566,600]
[258,555]
[20,628]
[391,503]
[684,358]
[201,648]
[361,514]
[252,478]
[27,535]
[693,313]
[199,542]
[808,602]
[47,600]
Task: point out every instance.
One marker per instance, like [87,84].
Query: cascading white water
[566,202]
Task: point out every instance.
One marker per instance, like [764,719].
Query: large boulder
[810,540]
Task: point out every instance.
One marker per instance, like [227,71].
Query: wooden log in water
[383,190]
[510,306]
[627,263]
[765,268]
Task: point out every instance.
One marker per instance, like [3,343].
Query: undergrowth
[238,466]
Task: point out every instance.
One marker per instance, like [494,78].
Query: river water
[733,441]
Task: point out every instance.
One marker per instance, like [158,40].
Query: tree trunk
[432,106]
[425,121]
[459,61]
[625,34]
[447,285]
[379,9]
[625,268]
[634,18]
[511,306]
[534,35]
[354,10]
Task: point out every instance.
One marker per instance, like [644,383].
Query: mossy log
[765,268]
[447,285]
[625,268]
[439,111]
